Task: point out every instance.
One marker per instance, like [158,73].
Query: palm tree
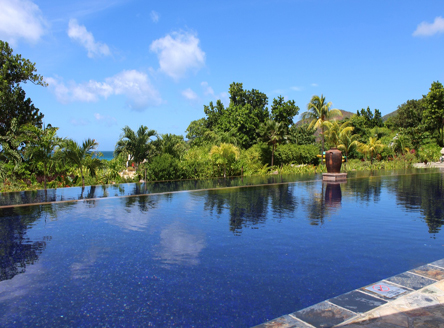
[224,154]
[81,156]
[272,133]
[41,145]
[318,111]
[136,144]
[371,148]
[347,141]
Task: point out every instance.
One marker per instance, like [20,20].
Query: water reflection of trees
[248,207]
[424,193]
[16,249]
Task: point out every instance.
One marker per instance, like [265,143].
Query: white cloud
[296,88]
[154,16]
[86,39]
[427,29]
[105,119]
[207,89]
[189,94]
[78,122]
[314,84]
[223,96]
[134,85]
[178,52]
[20,19]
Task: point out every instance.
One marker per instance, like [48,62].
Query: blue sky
[112,63]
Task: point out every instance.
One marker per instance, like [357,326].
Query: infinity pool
[231,257]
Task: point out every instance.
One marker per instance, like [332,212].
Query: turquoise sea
[108,155]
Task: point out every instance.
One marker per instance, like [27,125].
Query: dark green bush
[164,167]
[296,154]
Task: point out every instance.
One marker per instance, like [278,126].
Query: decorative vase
[333,160]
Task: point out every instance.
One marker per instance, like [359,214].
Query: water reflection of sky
[217,258]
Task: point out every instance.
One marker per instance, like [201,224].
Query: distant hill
[345,114]
[386,117]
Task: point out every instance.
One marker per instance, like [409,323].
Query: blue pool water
[218,258]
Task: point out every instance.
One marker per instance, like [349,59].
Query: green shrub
[296,154]
[164,167]
[429,152]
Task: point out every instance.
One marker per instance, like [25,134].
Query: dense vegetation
[246,137]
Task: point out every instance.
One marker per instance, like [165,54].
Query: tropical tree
[225,154]
[347,141]
[433,115]
[370,149]
[335,131]
[138,145]
[41,145]
[82,156]
[272,133]
[9,150]
[318,112]
[15,70]
[284,111]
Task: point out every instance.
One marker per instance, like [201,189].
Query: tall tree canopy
[434,113]
[283,112]
[13,102]
[247,110]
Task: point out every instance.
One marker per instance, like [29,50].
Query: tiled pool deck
[411,299]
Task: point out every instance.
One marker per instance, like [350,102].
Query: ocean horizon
[107,154]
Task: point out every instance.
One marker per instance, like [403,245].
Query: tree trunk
[272,155]
[322,153]
[225,171]
[83,178]
[44,174]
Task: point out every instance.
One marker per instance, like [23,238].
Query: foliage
[297,154]
[225,155]
[41,145]
[430,152]
[196,131]
[371,148]
[137,144]
[283,112]
[173,145]
[335,132]
[81,156]
[409,114]
[318,112]
[13,102]
[302,135]
[164,167]
[371,120]
[273,133]
[197,163]
[433,116]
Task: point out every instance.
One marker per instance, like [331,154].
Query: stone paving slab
[357,301]
[411,280]
[410,300]
[385,290]
[430,271]
[324,315]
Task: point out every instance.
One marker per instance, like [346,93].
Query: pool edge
[414,296]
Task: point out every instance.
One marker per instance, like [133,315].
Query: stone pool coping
[414,298]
